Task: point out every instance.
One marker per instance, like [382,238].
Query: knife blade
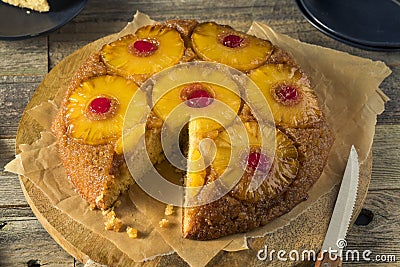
[332,248]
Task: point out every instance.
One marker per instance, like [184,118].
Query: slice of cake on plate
[37,5]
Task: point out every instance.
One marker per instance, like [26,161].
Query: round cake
[289,148]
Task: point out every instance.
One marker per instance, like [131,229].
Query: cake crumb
[163,223]
[113,223]
[132,232]
[92,207]
[117,204]
[105,212]
[99,198]
[169,210]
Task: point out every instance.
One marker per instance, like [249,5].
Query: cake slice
[229,215]
[290,170]
[37,5]
[89,127]
[302,141]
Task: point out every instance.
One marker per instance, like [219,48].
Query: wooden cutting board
[307,231]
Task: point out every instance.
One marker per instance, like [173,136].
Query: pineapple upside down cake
[90,123]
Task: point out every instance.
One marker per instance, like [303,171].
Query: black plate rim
[81,5]
[341,38]
[346,36]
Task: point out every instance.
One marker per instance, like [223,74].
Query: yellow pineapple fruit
[130,138]
[134,126]
[196,172]
[201,152]
[222,44]
[285,88]
[272,160]
[150,50]
[95,111]
[199,98]
[198,90]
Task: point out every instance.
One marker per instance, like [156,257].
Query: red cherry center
[199,98]
[232,41]
[100,105]
[287,92]
[144,46]
[258,159]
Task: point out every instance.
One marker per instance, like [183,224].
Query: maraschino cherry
[100,105]
[232,41]
[258,160]
[287,93]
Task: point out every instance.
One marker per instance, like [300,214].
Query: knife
[332,248]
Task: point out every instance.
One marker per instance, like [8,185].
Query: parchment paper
[347,87]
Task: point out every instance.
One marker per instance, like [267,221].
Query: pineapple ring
[82,126]
[275,147]
[121,56]
[299,112]
[213,42]
[166,104]
[169,90]
[170,85]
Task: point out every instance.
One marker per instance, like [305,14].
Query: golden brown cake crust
[229,215]
[90,169]
[279,56]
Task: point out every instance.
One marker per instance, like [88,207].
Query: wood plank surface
[26,57]
[24,63]
[15,92]
[386,153]
[24,240]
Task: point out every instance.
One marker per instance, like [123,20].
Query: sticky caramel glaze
[229,215]
[279,56]
[97,173]
[185,27]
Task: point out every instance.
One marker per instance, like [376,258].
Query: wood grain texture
[26,57]
[24,63]
[15,92]
[390,87]
[7,152]
[386,151]
[11,195]
[24,239]
[382,234]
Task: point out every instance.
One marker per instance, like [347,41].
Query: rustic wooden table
[24,63]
